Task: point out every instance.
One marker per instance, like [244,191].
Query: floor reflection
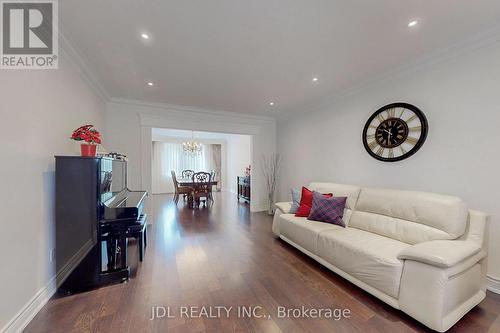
[176,221]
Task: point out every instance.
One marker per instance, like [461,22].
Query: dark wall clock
[395,132]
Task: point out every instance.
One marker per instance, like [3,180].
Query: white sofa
[422,253]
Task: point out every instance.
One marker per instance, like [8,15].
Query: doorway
[227,156]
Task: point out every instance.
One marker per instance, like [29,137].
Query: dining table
[190,183]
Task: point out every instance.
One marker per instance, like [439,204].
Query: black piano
[96,214]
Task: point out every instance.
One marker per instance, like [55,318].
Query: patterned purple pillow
[329,210]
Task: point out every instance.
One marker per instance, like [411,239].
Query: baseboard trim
[493,284]
[35,304]
[258,207]
[29,311]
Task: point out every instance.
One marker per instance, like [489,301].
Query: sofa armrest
[440,253]
[284,207]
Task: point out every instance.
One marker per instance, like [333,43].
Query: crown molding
[189,109]
[69,53]
[484,39]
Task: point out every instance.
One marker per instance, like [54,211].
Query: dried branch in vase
[270,168]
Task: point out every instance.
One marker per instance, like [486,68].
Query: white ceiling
[238,55]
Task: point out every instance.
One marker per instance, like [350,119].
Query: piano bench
[139,232]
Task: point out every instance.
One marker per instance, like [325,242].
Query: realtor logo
[29,34]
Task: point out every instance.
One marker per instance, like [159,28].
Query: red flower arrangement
[87,133]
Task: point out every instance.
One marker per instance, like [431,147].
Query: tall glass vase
[270,210]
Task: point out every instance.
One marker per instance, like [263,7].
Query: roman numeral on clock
[391,113]
[411,118]
[412,140]
[415,129]
[380,117]
[391,153]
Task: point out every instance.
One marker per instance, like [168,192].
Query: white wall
[239,150]
[129,130]
[461,99]
[39,109]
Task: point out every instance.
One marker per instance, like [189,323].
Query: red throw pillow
[306,202]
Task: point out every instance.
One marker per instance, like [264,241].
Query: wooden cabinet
[244,188]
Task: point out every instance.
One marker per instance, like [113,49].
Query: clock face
[395,132]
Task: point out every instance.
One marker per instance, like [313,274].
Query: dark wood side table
[244,188]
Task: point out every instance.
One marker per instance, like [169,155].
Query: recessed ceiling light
[150,84]
[271,103]
[412,23]
[315,79]
[144,36]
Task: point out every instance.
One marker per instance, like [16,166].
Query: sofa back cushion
[409,216]
[340,190]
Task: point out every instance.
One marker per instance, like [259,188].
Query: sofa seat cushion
[303,232]
[369,257]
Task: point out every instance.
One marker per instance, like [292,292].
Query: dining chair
[187,173]
[184,190]
[202,187]
[213,175]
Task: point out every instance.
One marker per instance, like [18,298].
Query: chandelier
[192,147]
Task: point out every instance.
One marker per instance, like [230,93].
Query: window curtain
[217,159]
[209,161]
[168,156]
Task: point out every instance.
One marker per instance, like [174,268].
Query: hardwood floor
[227,256]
